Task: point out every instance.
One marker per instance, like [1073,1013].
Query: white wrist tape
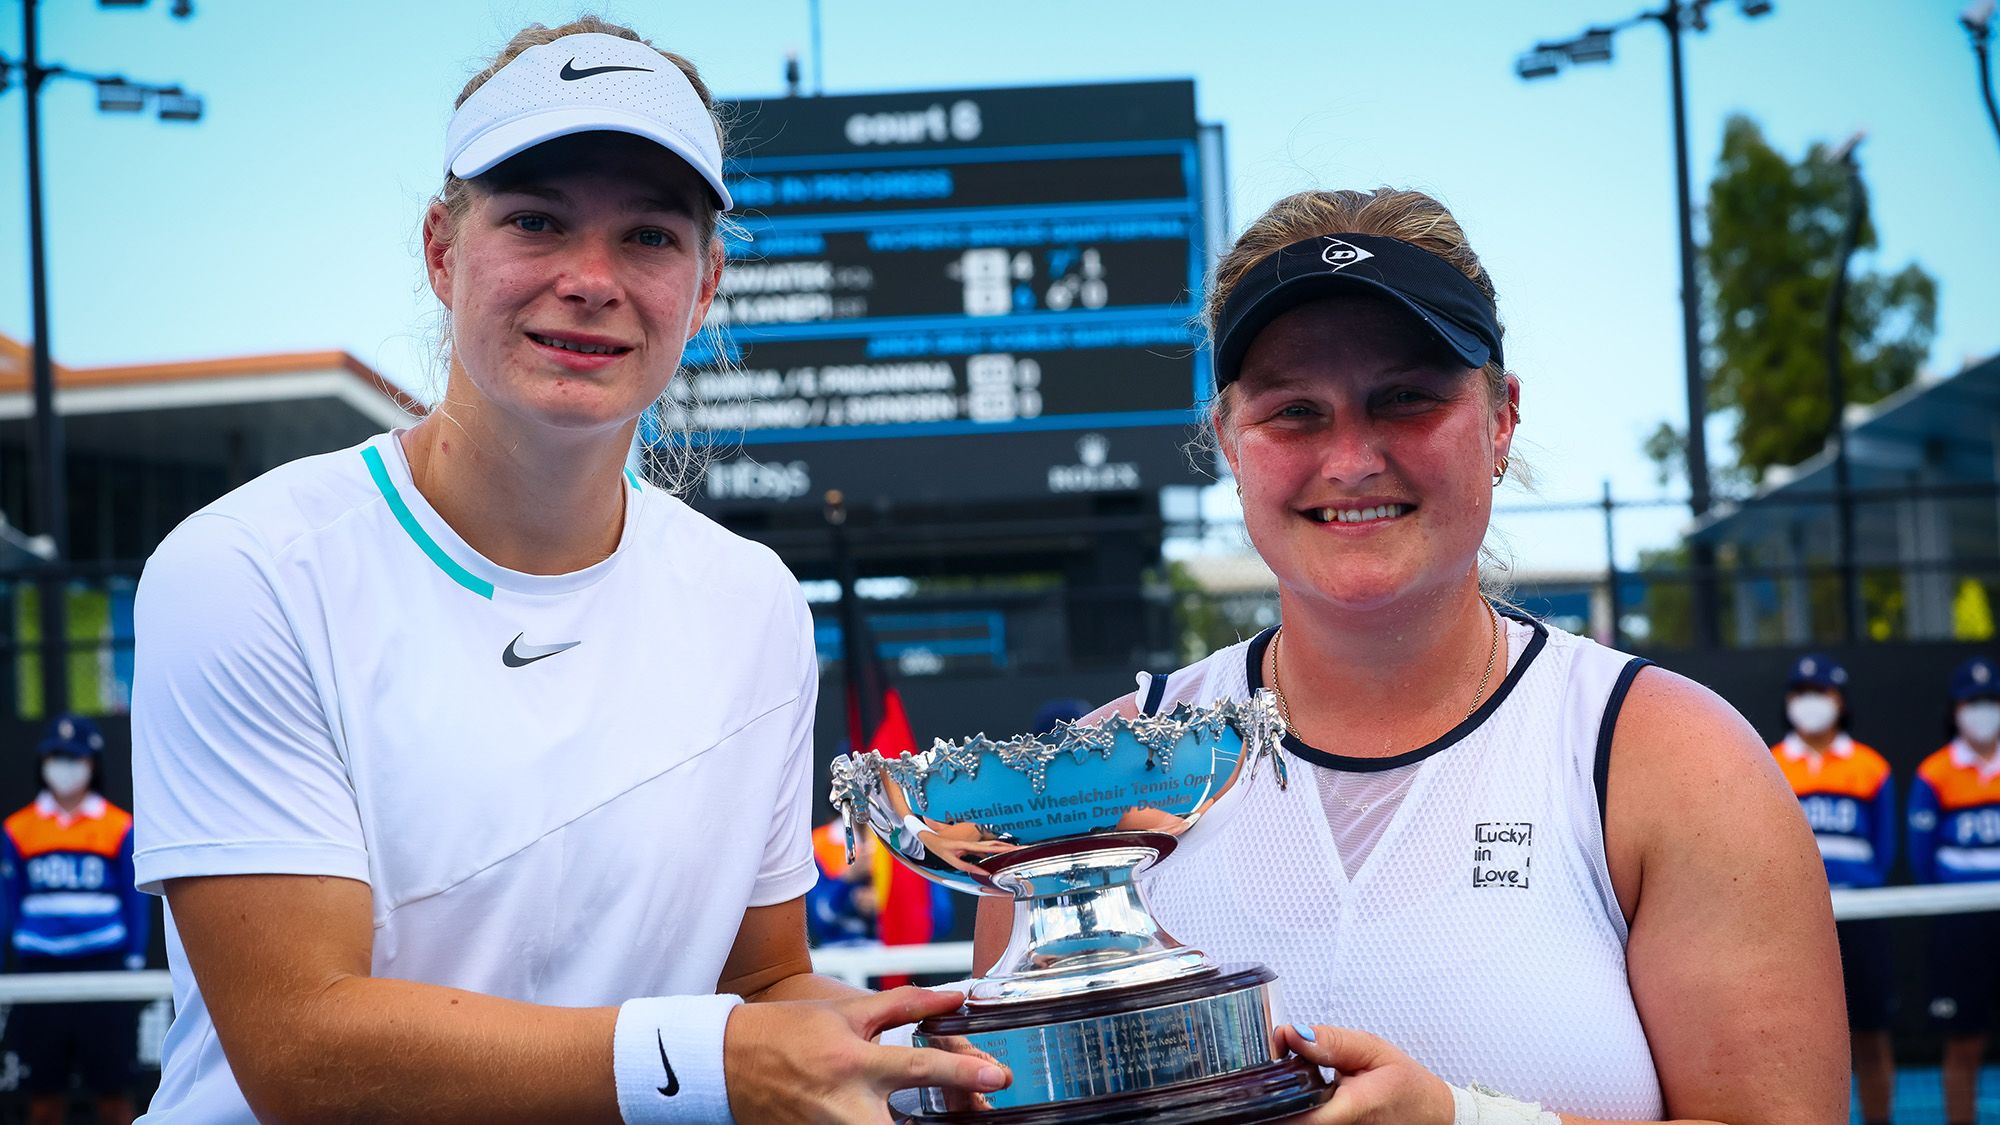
[667,1058]
[1481,1106]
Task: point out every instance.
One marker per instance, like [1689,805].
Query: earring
[1500,472]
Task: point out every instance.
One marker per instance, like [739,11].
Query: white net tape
[1911,902]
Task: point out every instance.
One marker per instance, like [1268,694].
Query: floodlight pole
[1978,23]
[51,513]
[1851,608]
[818,53]
[46,458]
[1701,552]
[1697,384]
[1546,59]
[1986,83]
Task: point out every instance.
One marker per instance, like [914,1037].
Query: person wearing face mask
[1849,797]
[69,905]
[1955,838]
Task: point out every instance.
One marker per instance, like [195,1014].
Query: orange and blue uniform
[1955,817]
[1955,838]
[831,916]
[67,879]
[1849,798]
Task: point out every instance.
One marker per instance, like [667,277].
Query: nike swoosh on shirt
[518,655]
[569,72]
[673,1085]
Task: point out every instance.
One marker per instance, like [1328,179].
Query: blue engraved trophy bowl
[1099,1013]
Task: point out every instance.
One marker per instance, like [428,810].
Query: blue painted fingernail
[1305,1033]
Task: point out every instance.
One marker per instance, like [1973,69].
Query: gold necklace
[1486,677]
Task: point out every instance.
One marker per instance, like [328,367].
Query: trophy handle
[1081,920]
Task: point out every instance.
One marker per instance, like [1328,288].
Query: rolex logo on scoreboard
[1094,470]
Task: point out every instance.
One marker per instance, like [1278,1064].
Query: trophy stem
[1081,922]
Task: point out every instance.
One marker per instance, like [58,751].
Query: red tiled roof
[15,363]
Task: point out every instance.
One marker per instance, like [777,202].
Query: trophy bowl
[1099,1013]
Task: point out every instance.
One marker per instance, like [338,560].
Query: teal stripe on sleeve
[631,478]
[416,530]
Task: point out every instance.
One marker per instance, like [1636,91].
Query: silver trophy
[1100,1014]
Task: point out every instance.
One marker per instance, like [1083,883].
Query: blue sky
[285,221]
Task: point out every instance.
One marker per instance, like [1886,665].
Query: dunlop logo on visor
[1340,254]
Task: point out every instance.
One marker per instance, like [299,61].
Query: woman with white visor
[450,745]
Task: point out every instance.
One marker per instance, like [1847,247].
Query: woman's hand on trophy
[812,1061]
[960,852]
[1152,820]
[962,832]
[961,1101]
[1377,1082]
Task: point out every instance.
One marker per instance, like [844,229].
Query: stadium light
[175,105]
[1542,62]
[1593,46]
[119,96]
[1751,9]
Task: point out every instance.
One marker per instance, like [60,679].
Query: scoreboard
[953,296]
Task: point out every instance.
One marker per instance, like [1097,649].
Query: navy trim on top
[1154,694]
[1254,655]
[1600,771]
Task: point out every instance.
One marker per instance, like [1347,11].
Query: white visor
[584,84]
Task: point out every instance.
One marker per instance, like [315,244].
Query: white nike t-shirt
[563,789]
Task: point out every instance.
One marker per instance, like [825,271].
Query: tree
[1774,231]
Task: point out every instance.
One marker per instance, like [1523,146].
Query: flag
[875,721]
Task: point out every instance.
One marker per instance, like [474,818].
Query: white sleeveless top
[1480,934]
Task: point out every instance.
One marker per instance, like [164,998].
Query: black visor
[1457,314]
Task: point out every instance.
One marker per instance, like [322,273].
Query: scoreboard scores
[963,295]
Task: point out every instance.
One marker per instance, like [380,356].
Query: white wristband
[666,1055]
[1481,1106]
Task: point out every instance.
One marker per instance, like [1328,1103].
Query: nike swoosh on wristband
[517,655]
[569,72]
[673,1085]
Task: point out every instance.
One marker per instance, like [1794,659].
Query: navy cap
[1457,314]
[1977,678]
[73,735]
[1814,670]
